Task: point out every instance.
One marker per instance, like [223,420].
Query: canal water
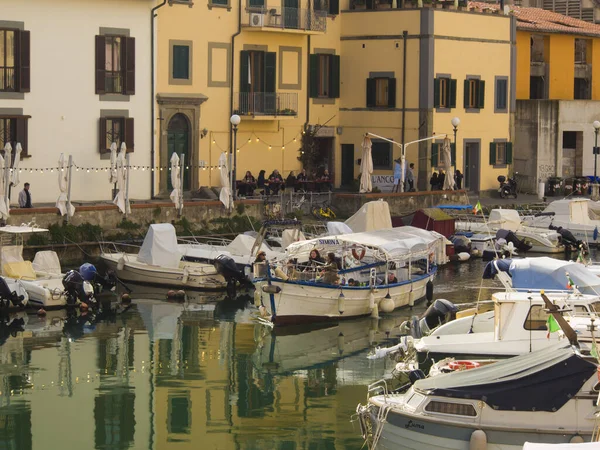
[195,374]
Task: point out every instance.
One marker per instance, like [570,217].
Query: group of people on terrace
[249,186]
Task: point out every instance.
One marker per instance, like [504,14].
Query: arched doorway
[178,141]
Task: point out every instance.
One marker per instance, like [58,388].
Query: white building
[74,77]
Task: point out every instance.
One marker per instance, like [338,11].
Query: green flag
[552,326]
[594,351]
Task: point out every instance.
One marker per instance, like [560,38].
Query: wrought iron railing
[266,104]
[7,79]
[285,18]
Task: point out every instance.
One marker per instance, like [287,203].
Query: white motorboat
[546,396]
[298,290]
[541,241]
[159,262]
[581,216]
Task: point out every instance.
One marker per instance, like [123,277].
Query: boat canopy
[507,219]
[334,228]
[21,229]
[545,273]
[160,246]
[540,381]
[370,217]
[243,244]
[393,244]
[574,210]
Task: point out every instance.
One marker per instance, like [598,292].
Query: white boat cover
[160,246]
[573,210]
[577,446]
[334,228]
[391,244]
[242,245]
[48,262]
[372,216]
[290,236]
[507,219]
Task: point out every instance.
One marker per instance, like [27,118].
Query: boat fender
[341,303]
[341,343]
[170,294]
[257,297]
[463,365]
[478,440]
[358,255]
[121,263]
[386,304]
[125,299]
[463,256]
[186,275]
[429,291]
[411,296]
[576,439]
[280,274]
[371,301]
[375,312]
[180,294]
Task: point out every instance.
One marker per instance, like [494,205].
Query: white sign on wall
[385,183]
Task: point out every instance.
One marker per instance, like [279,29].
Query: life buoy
[360,255]
[463,365]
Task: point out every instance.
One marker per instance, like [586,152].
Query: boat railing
[377,388]
[213,241]
[118,247]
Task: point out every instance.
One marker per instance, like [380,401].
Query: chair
[274,17]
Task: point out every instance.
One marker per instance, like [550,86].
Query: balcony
[266,105]
[284,19]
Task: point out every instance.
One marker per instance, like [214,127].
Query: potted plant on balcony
[286,112]
[359,4]
[383,4]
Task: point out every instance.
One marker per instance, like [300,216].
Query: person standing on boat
[25,197]
[314,260]
[330,271]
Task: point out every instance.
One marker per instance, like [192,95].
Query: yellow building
[557,95]
[334,71]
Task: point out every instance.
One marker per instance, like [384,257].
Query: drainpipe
[152,83]
[232,74]
[307,84]
[404,36]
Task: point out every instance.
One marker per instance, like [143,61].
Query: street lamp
[235,121]
[596,125]
[455,123]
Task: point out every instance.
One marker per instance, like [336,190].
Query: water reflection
[199,371]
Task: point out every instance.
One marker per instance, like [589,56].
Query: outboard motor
[227,267]
[510,236]
[100,283]
[77,288]
[8,298]
[440,312]
[462,244]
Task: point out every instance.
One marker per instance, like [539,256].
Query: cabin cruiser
[540,241]
[377,270]
[159,262]
[544,396]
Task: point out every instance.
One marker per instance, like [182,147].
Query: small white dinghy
[159,262]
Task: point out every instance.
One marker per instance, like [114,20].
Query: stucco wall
[63,106]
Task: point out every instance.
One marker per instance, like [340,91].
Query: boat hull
[48,293]
[299,302]
[160,276]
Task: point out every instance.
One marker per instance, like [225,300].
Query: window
[581,50]
[13,130]
[500,153]
[14,60]
[458,409]
[536,319]
[501,94]
[381,92]
[569,139]
[324,76]
[582,89]
[381,152]
[537,49]
[331,7]
[257,82]
[444,93]
[181,62]
[117,130]
[537,89]
[474,93]
[115,65]
[219,3]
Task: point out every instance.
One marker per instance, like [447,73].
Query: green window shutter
[270,69]
[371,92]
[334,76]
[452,94]
[434,154]
[181,62]
[436,92]
[244,71]
[492,153]
[392,92]
[466,93]
[313,64]
[334,7]
[509,153]
[453,154]
[481,94]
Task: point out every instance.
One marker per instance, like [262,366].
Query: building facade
[74,85]
[558,98]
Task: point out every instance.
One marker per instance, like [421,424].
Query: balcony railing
[7,79]
[285,18]
[266,104]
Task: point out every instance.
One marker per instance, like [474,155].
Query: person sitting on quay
[275,183]
[247,186]
[301,179]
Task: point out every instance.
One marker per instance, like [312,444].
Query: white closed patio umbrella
[14,178]
[449,182]
[225,194]
[3,205]
[121,199]
[63,204]
[112,178]
[176,181]
[366,166]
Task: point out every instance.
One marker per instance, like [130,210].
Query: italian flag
[477,208]
[552,325]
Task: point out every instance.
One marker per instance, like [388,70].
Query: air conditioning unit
[257,19]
